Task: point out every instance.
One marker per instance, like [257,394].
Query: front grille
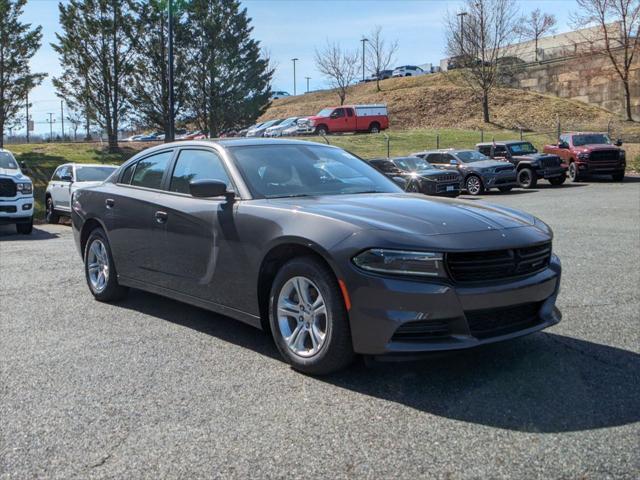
[498,264]
[549,162]
[604,156]
[421,330]
[7,187]
[506,168]
[501,321]
[448,178]
[8,208]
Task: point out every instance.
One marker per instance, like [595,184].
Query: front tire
[618,177]
[25,228]
[100,270]
[308,318]
[322,130]
[574,176]
[51,216]
[527,178]
[473,185]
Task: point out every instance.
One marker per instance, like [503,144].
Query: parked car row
[159,136]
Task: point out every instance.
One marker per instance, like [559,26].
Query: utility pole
[51,121]
[308,78]
[62,117]
[27,115]
[170,135]
[294,60]
[364,41]
[462,15]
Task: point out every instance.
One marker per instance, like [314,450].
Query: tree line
[115,71]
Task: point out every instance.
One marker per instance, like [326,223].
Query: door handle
[109,203]
[161,217]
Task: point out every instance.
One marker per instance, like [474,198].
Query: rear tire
[527,178]
[100,270]
[25,228]
[557,181]
[51,216]
[311,342]
[374,128]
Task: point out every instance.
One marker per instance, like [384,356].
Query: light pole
[308,78]
[51,121]
[462,15]
[170,135]
[364,41]
[294,60]
[62,118]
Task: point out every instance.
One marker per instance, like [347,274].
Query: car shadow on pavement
[541,383]
[8,233]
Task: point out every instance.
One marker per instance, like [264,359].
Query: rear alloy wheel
[557,180]
[99,269]
[51,216]
[308,318]
[527,178]
[474,186]
[574,176]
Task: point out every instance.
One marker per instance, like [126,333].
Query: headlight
[543,226]
[401,262]
[312,123]
[25,188]
[583,156]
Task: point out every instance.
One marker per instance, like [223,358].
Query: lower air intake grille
[421,330]
[501,321]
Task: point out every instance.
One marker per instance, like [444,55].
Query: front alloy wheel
[474,185]
[308,317]
[573,172]
[527,178]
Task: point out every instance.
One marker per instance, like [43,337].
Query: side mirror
[453,161]
[66,178]
[208,189]
[618,143]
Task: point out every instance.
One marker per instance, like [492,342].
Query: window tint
[196,165]
[485,150]
[338,113]
[93,174]
[63,172]
[350,112]
[434,158]
[149,171]
[128,174]
[56,174]
[500,150]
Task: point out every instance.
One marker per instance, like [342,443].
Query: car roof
[505,142]
[585,133]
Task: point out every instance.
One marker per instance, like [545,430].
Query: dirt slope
[433,101]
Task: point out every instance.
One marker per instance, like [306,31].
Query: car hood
[435,173]
[13,173]
[485,164]
[410,214]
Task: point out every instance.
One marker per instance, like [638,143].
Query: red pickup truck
[590,154]
[348,118]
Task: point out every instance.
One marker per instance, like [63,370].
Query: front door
[60,190]
[339,120]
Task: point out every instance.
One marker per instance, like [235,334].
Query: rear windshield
[7,161]
[93,174]
[277,171]
[590,139]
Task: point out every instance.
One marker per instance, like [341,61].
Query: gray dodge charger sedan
[332,265]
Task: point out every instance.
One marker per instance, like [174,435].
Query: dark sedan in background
[479,172]
[414,174]
[257,230]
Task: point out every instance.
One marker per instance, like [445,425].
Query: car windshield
[93,174]
[413,164]
[524,148]
[276,171]
[289,121]
[7,161]
[470,156]
[325,112]
[590,139]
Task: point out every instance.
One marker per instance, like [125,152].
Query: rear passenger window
[349,112]
[149,171]
[434,158]
[197,165]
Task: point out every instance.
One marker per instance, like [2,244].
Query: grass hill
[434,102]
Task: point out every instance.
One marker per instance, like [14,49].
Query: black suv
[530,164]
[420,176]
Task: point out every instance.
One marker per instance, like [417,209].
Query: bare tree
[339,66]
[617,36]
[380,54]
[76,119]
[477,44]
[536,25]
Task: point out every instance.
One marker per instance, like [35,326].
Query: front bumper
[600,168]
[16,210]
[446,189]
[458,316]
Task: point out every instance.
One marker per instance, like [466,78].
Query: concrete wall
[589,78]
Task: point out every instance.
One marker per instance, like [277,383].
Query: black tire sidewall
[50,213]
[337,350]
[25,228]
[532,178]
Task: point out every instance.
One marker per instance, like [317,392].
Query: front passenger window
[149,170]
[197,165]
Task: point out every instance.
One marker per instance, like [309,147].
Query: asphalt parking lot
[151,388]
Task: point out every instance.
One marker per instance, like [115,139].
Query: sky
[296,28]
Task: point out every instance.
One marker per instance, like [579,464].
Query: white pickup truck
[16,195]
[68,178]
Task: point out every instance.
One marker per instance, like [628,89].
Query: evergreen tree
[96,53]
[230,78]
[150,86]
[18,43]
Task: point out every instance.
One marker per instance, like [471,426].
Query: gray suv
[479,172]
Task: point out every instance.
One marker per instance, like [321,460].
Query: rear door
[351,121]
[135,218]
